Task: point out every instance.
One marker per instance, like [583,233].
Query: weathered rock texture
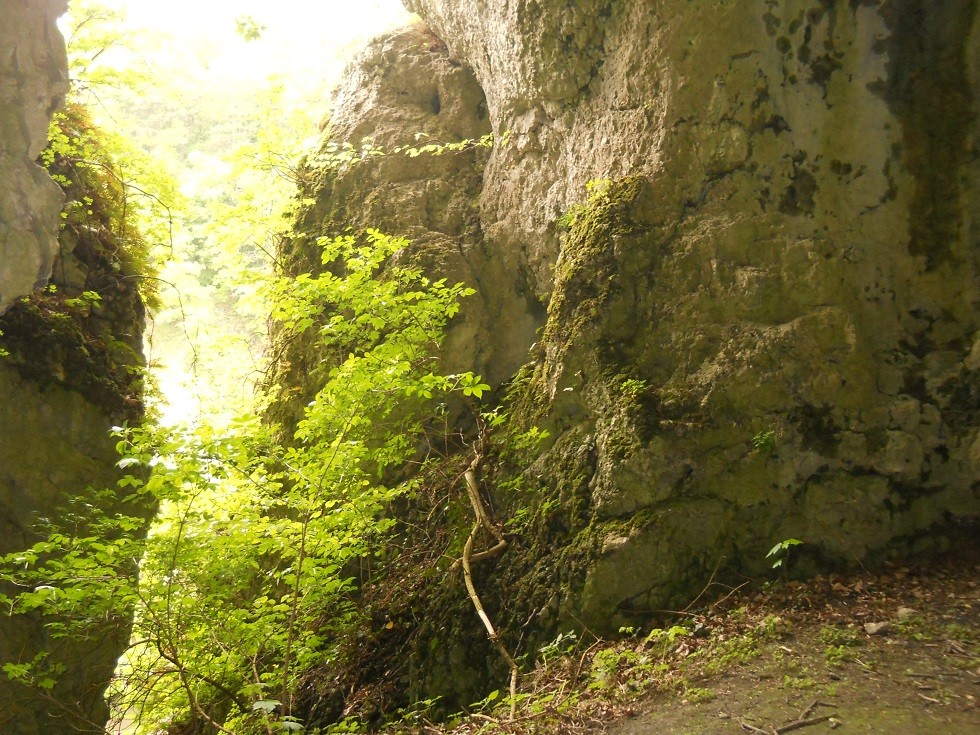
[762,322]
[54,444]
[72,373]
[33,83]
[62,389]
[787,244]
[406,91]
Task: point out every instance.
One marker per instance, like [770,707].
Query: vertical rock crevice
[929,88]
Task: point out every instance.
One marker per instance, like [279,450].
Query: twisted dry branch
[483,521]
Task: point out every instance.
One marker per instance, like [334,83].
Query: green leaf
[265,705]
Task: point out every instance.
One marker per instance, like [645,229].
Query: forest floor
[895,653]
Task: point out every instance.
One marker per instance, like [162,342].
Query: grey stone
[779,240]
[799,257]
[33,82]
[877,628]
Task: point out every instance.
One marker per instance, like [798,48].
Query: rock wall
[71,371]
[69,365]
[762,324]
[406,91]
[33,83]
[746,232]
[54,444]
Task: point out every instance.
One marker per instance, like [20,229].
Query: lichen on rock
[776,275]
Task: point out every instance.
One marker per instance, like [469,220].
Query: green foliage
[597,193]
[781,551]
[82,331]
[87,300]
[840,644]
[438,149]
[563,645]
[249,28]
[246,579]
[101,201]
[696,695]
[667,637]
[632,387]
[97,43]
[798,682]
[836,635]
[764,441]
[117,194]
[334,156]
[38,673]
[528,442]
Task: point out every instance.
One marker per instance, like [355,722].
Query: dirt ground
[895,654]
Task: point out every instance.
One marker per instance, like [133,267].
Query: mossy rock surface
[72,369]
[752,328]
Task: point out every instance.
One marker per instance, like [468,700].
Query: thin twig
[483,521]
[711,581]
[716,603]
[801,723]
[813,705]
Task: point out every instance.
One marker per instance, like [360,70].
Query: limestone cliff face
[69,366]
[33,83]
[759,321]
[407,91]
[70,373]
[786,243]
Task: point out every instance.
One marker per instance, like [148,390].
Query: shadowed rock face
[33,82]
[68,377]
[781,248]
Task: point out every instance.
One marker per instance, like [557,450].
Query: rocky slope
[746,232]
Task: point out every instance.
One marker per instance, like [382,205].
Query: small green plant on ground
[798,682]
[781,551]
[917,628]
[562,645]
[696,695]
[840,644]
